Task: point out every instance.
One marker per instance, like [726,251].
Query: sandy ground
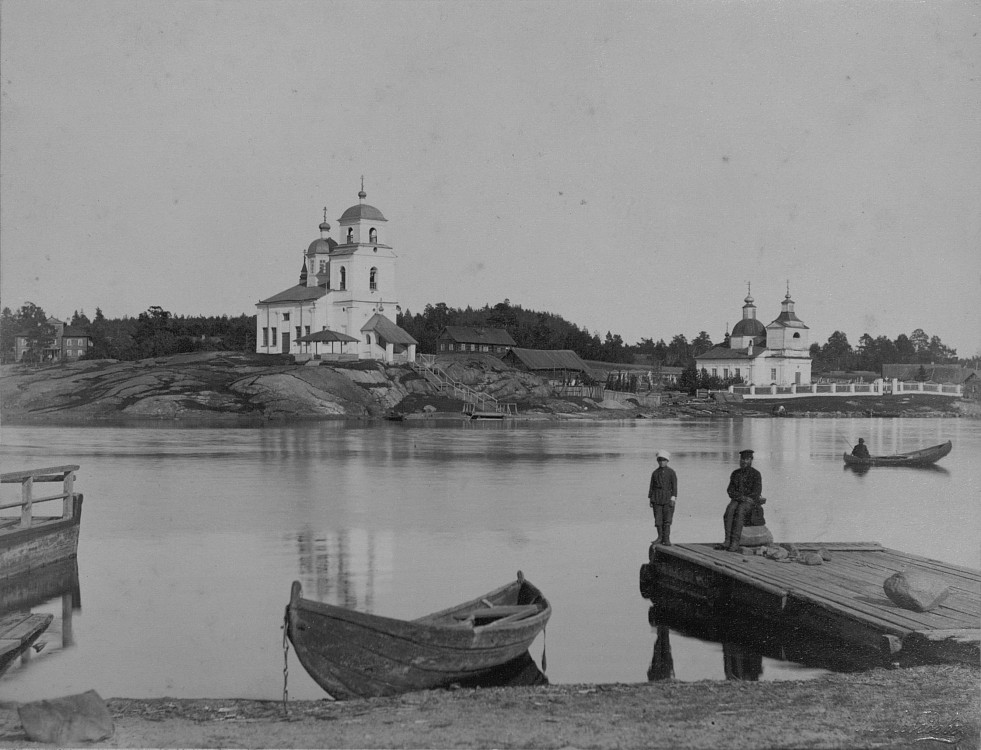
[922,708]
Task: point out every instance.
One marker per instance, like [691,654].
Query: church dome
[362,211]
[748,327]
[321,245]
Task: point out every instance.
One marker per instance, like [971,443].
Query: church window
[796,335]
[372,235]
[286,316]
[307,330]
[265,336]
[373,279]
[274,335]
[350,235]
[323,266]
[343,278]
[367,338]
[773,373]
[298,332]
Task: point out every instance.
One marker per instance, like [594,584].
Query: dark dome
[748,327]
[362,211]
[321,245]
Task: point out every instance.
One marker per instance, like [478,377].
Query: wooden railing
[26,479]
[443,383]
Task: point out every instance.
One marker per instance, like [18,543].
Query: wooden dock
[841,599]
[29,541]
[17,632]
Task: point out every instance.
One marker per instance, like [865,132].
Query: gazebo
[326,337]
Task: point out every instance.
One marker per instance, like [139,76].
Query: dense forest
[158,332]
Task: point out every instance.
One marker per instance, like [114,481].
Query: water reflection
[40,588]
[342,567]
[924,469]
[746,641]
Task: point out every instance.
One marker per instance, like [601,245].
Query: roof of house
[326,336]
[298,293]
[474,335]
[787,319]
[75,331]
[385,328]
[724,352]
[934,373]
[549,359]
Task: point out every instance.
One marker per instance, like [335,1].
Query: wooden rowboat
[923,457]
[353,654]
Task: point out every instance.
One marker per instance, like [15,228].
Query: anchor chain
[286,662]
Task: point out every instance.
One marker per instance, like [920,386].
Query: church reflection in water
[745,642]
[345,568]
[43,588]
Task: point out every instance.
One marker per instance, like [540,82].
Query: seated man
[861,450]
[744,490]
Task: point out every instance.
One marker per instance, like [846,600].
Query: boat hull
[352,654]
[46,541]
[923,457]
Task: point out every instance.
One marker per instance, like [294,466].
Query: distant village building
[345,300]
[460,339]
[776,354]
[69,343]
[948,374]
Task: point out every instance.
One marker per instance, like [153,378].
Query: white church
[775,354]
[345,302]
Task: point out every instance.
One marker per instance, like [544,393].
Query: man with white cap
[662,493]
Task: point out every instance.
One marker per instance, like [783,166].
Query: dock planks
[18,631]
[843,597]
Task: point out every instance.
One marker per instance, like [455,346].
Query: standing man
[662,493]
[745,488]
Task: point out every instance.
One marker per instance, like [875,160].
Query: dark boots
[660,536]
[666,535]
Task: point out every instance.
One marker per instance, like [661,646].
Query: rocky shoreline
[919,707]
[235,388]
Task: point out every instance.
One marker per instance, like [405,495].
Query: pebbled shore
[923,708]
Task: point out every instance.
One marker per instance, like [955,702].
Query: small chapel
[343,306]
[775,354]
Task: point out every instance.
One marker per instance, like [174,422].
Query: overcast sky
[629,166]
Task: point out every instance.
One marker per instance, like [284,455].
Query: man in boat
[744,490]
[861,450]
[662,494]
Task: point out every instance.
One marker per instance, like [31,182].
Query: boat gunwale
[924,456]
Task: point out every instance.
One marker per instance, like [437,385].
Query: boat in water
[923,457]
[353,654]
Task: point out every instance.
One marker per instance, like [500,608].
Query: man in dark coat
[744,490]
[662,493]
[861,450]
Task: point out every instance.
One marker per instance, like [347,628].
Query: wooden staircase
[476,405]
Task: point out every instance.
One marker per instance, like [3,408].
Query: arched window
[372,235]
[796,335]
[373,279]
[343,278]
[350,235]
[323,266]
[367,338]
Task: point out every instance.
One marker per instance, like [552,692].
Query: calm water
[190,537]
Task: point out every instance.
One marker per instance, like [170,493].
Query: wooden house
[473,339]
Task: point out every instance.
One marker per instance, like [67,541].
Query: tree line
[157,332]
[154,333]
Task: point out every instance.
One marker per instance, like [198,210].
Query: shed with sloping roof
[558,365]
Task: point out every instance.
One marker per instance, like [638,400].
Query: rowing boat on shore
[923,457]
[353,654]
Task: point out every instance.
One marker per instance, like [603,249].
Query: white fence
[876,388]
